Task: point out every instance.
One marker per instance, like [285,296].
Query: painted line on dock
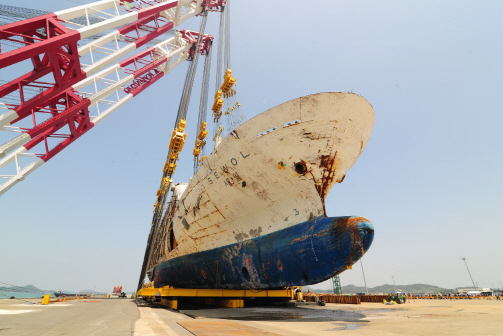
[14,312]
[150,324]
[207,328]
[39,305]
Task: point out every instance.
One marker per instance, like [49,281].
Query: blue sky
[429,180]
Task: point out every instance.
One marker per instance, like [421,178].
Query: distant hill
[414,288]
[89,291]
[35,290]
[22,289]
[27,288]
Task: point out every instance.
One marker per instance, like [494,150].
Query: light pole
[365,281]
[393,277]
[473,282]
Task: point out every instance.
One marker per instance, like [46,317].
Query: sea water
[22,295]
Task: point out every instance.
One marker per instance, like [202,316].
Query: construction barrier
[373,298]
[47,299]
[333,298]
[454,297]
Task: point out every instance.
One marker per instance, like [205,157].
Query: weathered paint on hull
[259,193]
[303,254]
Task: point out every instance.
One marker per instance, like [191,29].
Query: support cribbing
[176,145]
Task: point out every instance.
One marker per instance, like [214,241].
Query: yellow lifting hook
[218,132]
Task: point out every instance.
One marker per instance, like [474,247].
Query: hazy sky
[430,179]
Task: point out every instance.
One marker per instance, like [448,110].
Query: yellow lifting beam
[200,140]
[202,131]
[217,105]
[226,91]
[218,132]
[196,150]
[229,81]
[202,160]
[175,147]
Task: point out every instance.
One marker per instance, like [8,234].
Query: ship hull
[303,254]
[258,201]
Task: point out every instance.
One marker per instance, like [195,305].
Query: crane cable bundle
[225,103]
[225,98]
[176,144]
[200,143]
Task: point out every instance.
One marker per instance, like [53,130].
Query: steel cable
[161,211]
[228,36]
[191,74]
[203,102]
[219,60]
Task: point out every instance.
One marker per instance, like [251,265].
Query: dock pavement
[129,317]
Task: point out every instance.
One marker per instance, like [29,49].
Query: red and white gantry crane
[77,87]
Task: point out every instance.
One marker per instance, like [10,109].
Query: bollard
[46,299]
[299,296]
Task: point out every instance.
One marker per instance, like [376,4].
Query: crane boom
[58,55]
[78,87]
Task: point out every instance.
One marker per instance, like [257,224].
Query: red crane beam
[70,109]
[61,112]
[52,48]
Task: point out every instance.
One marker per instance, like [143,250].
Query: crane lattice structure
[81,65]
[336,285]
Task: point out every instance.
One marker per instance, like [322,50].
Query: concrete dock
[126,317]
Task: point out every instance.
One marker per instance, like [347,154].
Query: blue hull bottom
[304,254]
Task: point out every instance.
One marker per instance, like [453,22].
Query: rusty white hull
[253,215]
